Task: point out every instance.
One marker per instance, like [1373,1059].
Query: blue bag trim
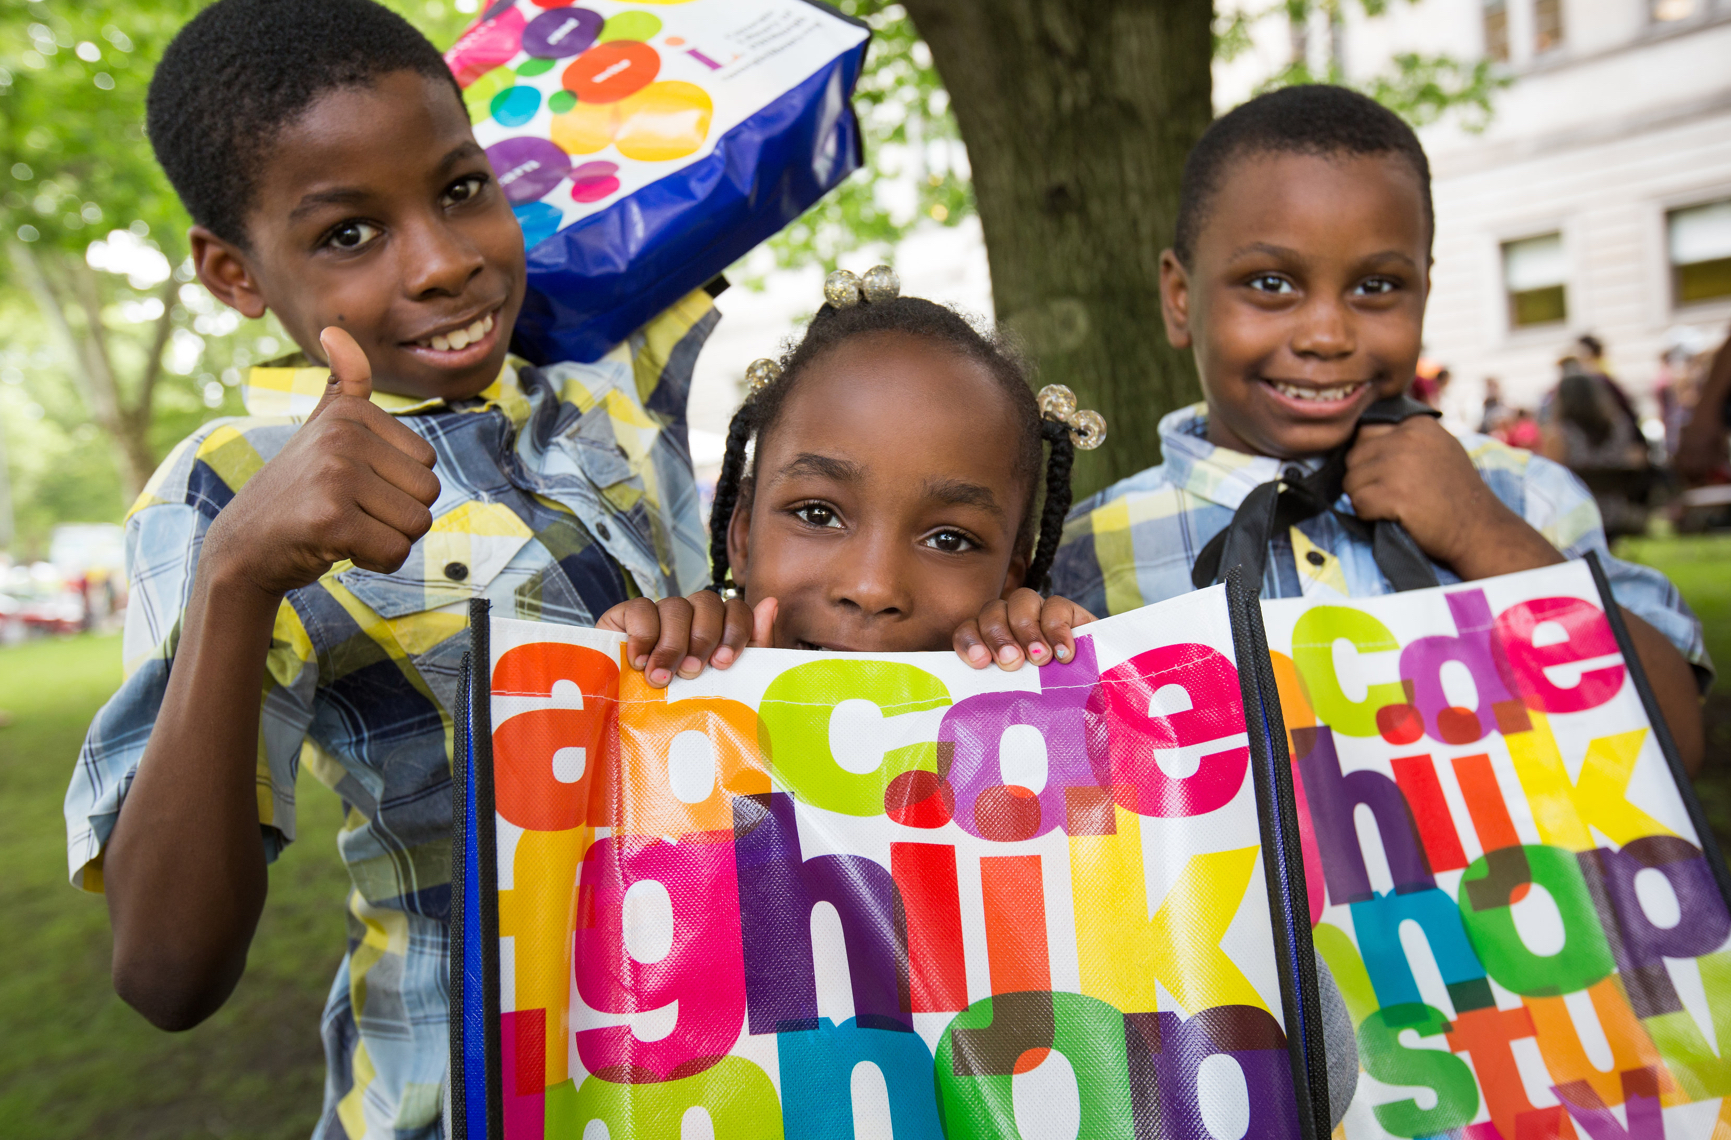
[594,283]
[476,1105]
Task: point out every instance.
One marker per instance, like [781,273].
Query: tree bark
[1077,115]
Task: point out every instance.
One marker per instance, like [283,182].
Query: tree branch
[158,342]
[42,290]
[98,363]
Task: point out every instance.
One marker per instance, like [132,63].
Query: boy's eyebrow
[1282,251]
[1268,248]
[340,196]
[826,466]
[352,195]
[465,149]
[961,493]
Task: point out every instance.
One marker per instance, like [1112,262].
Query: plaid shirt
[1135,542]
[563,490]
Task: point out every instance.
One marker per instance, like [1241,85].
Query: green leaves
[911,143]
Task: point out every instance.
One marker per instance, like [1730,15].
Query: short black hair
[242,70]
[947,330]
[1309,118]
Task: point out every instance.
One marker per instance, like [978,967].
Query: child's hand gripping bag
[821,891]
[647,146]
[1510,876]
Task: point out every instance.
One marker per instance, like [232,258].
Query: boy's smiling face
[376,211]
[1304,299]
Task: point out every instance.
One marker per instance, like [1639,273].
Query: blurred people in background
[1495,411]
[1589,426]
[1522,431]
[1673,389]
[1431,380]
[1513,426]
[1701,458]
[1590,351]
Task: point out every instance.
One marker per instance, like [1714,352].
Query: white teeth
[1315,395]
[462,338]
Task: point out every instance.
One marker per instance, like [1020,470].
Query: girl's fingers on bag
[1024,607]
[614,620]
[1059,617]
[969,646]
[708,628]
[674,643]
[763,623]
[641,622]
[735,634]
[995,632]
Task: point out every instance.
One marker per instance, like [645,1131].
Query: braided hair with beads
[856,306]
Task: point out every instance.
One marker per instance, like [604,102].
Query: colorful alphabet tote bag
[1510,876]
[832,895]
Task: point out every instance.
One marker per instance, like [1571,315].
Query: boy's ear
[739,536]
[223,268]
[1175,299]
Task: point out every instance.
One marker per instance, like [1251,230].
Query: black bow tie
[1275,506]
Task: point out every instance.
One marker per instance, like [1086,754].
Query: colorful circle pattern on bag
[609,95]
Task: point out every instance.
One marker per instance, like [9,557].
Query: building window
[1700,246]
[1534,272]
[1547,26]
[1668,11]
[1497,30]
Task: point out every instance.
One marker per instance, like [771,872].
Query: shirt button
[456,571]
[601,529]
[1315,557]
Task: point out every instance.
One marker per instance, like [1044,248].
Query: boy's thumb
[351,375]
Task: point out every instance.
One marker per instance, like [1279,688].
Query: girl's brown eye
[816,514]
[950,542]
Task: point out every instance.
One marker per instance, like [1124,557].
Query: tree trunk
[91,366]
[1077,115]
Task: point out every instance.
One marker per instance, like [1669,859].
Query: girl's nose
[877,582]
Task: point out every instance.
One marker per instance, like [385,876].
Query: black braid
[911,316]
[727,490]
[1057,504]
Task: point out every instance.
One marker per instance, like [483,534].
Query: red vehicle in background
[81,585]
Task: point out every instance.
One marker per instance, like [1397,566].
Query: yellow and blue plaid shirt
[564,491]
[1134,543]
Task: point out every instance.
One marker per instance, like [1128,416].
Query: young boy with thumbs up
[301,576]
[1298,277]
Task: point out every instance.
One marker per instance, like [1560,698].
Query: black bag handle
[1282,503]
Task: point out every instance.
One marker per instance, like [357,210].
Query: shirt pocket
[456,560]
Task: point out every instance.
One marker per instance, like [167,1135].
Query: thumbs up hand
[353,483]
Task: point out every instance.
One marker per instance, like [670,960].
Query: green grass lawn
[75,1061]
[1701,568]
